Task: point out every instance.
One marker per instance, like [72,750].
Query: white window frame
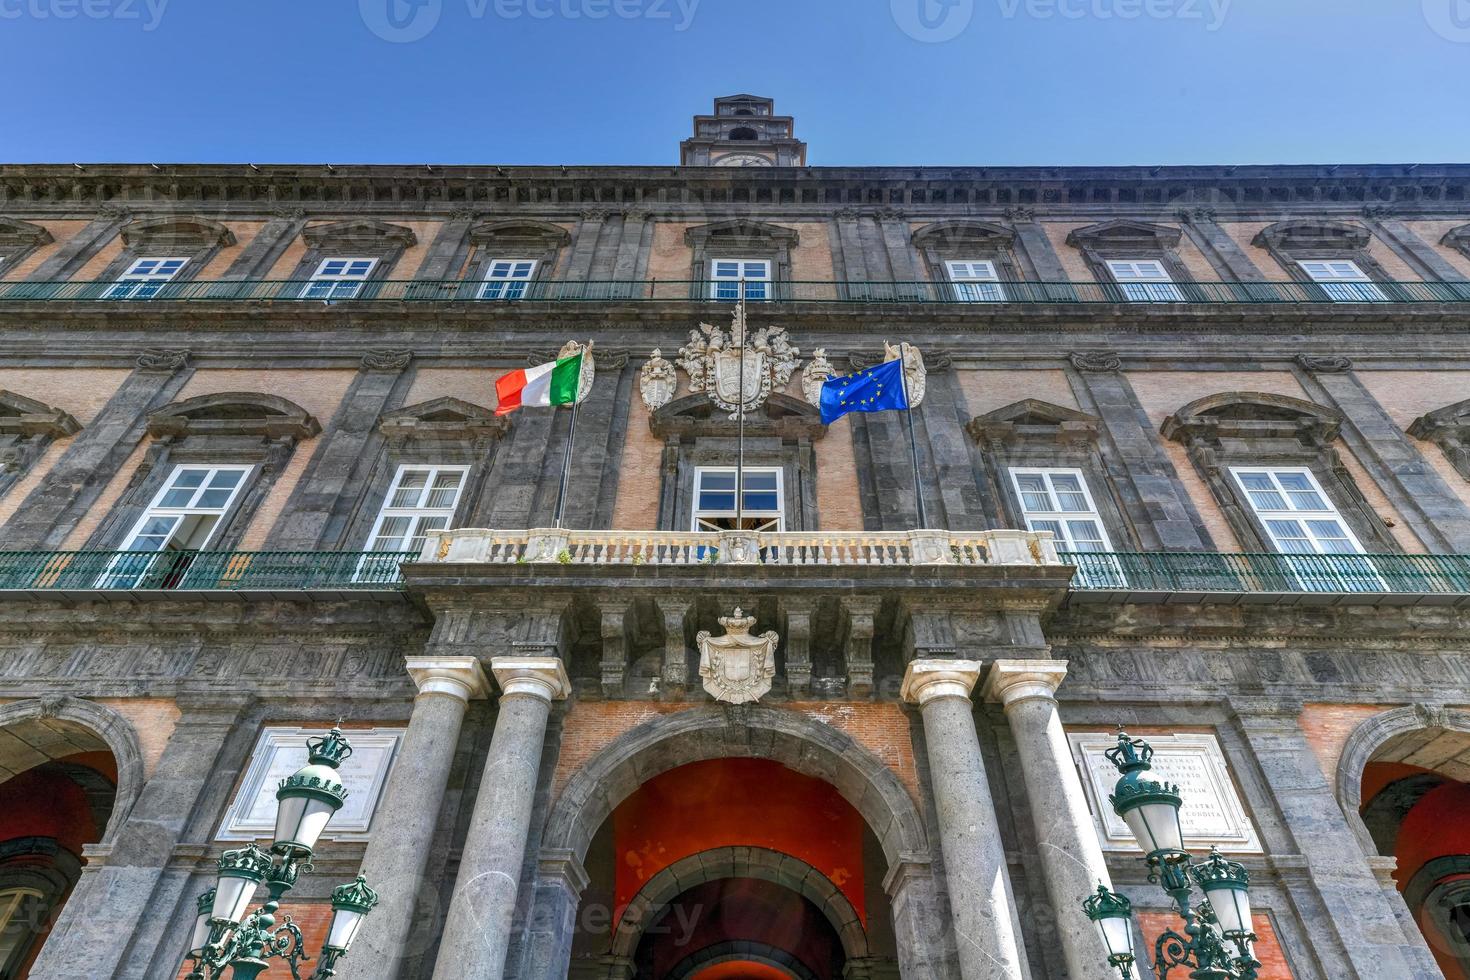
[143,280]
[975,281]
[126,571]
[1343,280]
[511,283]
[419,512]
[726,286]
[1145,280]
[344,284]
[778,517]
[1104,573]
[1345,575]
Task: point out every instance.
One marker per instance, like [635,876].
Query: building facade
[1194,450]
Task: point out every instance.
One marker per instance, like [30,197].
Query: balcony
[1263,578]
[153,573]
[974,294]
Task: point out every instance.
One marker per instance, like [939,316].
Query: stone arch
[56,727]
[714,732]
[746,952]
[176,231]
[234,413]
[1384,733]
[740,862]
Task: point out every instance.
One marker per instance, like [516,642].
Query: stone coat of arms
[737,668]
[737,367]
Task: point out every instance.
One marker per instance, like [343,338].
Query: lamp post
[1217,937]
[224,935]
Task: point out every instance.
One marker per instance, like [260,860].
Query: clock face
[742,160]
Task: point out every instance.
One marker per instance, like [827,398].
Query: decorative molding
[1033,419]
[175,233]
[1125,232]
[1326,364]
[386,359]
[1448,428]
[540,677]
[1095,362]
[1010,682]
[925,680]
[235,413]
[441,419]
[459,677]
[22,234]
[160,360]
[357,233]
[1020,215]
[1313,235]
[22,416]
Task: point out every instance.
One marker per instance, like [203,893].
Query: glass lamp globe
[350,905]
[1112,916]
[1149,807]
[200,937]
[239,874]
[1227,886]
[308,798]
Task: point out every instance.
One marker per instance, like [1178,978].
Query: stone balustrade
[553,546]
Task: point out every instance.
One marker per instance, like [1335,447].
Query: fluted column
[477,932]
[1072,860]
[409,809]
[981,905]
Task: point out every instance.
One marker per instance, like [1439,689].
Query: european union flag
[879,388]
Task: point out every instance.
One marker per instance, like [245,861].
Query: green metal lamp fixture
[225,936]
[1217,937]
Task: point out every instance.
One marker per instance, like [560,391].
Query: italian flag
[553,383]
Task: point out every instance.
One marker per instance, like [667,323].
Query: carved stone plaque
[281,751]
[1213,812]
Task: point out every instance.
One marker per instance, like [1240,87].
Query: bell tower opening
[743,131]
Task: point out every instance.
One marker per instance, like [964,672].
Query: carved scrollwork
[158,359]
[1324,364]
[385,359]
[657,381]
[1095,362]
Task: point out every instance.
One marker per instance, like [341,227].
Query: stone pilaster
[982,908]
[614,646]
[398,852]
[1217,245]
[798,647]
[1359,934]
[674,673]
[260,254]
[1072,860]
[477,932]
[122,911]
[73,485]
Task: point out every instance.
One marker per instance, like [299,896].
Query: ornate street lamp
[1217,938]
[224,935]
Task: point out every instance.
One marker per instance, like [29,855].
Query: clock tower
[743,131]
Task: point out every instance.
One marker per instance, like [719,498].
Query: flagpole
[566,458]
[913,440]
[740,415]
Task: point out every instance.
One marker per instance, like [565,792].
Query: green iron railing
[1203,572]
[554,291]
[235,571]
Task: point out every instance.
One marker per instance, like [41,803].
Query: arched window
[744,133]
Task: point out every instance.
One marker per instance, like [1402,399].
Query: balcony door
[181,520]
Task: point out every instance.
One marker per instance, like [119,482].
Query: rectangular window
[338,279]
[145,278]
[507,278]
[182,519]
[714,499]
[1300,520]
[1145,281]
[1057,500]
[975,282]
[1343,281]
[421,499]
[727,274]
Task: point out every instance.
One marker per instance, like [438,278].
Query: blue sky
[616,81]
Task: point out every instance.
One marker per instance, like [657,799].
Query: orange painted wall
[730,803]
[47,804]
[741,970]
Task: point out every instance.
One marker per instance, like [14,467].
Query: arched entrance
[69,770]
[1411,794]
[855,862]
